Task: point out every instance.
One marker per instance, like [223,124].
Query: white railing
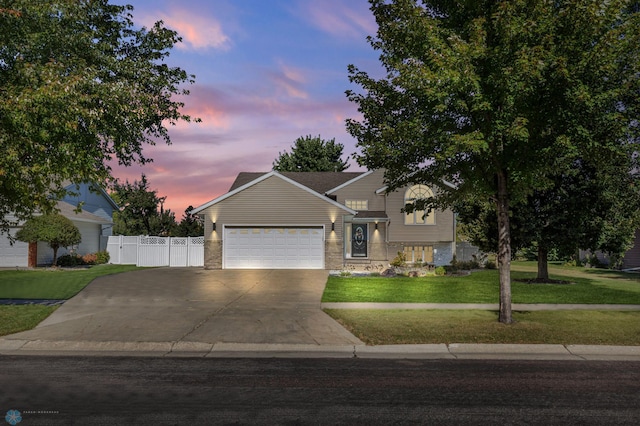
[156,251]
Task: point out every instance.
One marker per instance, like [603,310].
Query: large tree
[54,229]
[141,210]
[81,87]
[585,208]
[312,154]
[496,97]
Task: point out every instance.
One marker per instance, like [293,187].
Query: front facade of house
[321,220]
[94,222]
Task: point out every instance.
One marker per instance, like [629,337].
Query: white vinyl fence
[156,251]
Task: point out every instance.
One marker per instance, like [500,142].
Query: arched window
[417,217]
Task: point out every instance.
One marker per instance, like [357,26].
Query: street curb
[460,351]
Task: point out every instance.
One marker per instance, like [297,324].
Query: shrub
[89,259]
[400,260]
[70,260]
[102,257]
[440,270]
[490,264]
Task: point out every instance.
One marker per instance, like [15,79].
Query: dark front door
[359,240]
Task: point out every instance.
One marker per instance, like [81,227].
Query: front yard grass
[391,327]
[43,284]
[394,326]
[17,318]
[589,286]
[60,284]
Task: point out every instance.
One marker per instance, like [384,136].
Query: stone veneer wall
[213,254]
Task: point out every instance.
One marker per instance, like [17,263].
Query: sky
[267,72]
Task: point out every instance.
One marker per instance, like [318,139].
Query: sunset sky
[267,72]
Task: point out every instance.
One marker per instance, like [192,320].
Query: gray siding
[273,201]
[442,230]
[364,189]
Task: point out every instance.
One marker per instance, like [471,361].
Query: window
[357,204]
[417,217]
[422,254]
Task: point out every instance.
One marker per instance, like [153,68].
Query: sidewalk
[481,306]
[459,351]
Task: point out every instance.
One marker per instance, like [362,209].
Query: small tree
[191,224]
[54,229]
[312,154]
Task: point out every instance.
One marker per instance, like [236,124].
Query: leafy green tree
[80,88]
[191,224]
[312,154]
[584,209]
[497,97]
[54,229]
[141,210]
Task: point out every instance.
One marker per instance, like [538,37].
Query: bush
[490,264]
[440,270]
[89,259]
[102,257]
[400,260]
[70,260]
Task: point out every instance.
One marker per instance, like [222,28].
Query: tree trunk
[33,255]
[55,255]
[504,249]
[543,264]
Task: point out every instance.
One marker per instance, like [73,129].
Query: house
[94,222]
[322,220]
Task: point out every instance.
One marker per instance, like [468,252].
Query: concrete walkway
[178,312]
[481,306]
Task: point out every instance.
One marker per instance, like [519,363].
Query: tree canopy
[141,210]
[81,88]
[312,154]
[54,229]
[498,97]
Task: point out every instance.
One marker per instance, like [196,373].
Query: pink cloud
[343,19]
[198,31]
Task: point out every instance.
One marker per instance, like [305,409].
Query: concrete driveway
[182,305]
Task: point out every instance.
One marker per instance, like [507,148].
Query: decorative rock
[389,272]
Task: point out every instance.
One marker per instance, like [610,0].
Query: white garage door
[13,255]
[273,248]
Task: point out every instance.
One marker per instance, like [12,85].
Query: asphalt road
[193,391]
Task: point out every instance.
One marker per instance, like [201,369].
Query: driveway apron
[197,305]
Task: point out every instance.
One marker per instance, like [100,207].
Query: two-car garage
[273,247]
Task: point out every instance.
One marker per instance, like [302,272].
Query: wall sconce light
[214,226]
[376,226]
[333,226]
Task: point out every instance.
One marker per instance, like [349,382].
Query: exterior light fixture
[376,226]
[333,226]
[214,226]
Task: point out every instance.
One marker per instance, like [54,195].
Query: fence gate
[156,251]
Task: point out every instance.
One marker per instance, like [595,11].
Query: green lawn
[58,284]
[16,318]
[52,284]
[388,327]
[588,286]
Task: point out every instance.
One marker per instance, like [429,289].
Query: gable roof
[320,182]
[70,186]
[69,211]
[244,181]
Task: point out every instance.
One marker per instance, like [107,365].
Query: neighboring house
[630,260]
[321,220]
[94,222]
